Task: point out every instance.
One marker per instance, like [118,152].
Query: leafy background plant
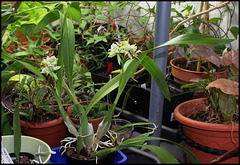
[66,12]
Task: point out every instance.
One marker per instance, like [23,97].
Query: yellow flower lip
[116,71]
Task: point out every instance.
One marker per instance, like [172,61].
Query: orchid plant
[85,137]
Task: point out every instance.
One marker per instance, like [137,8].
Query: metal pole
[162,24]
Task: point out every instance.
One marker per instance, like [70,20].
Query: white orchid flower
[123,48]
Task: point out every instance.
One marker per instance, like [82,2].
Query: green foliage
[235,31]
[30,95]
[6,128]
[65,12]
[227,104]
[17,132]
[98,110]
[15,67]
[222,94]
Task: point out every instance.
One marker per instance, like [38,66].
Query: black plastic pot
[109,159]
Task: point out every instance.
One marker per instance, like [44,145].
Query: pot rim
[35,139]
[45,124]
[186,70]
[201,125]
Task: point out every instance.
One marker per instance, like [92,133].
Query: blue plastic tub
[57,158]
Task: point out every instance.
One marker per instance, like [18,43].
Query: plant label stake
[5,157]
[101,30]
[110,66]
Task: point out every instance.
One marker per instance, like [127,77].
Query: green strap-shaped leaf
[68,43]
[74,13]
[139,140]
[17,132]
[60,58]
[196,39]
[157,75]
[163,154]
[132,124]
[5,125]
[21,54]
[51,16]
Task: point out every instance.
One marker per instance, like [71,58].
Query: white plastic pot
[28,144]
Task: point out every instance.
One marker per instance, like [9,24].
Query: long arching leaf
[197,39]
[157,75]
[48,18]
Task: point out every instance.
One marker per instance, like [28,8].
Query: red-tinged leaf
[226,86]
[207,53]
[231,57]
[225,156]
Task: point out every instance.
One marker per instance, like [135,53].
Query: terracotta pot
[95,122]
[10,2]
[183,76]
[10,49]
[218,136]
[23,39]
[51,132]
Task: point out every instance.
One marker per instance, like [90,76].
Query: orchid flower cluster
[49,65]
[123,50]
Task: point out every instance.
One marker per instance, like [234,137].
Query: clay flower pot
[51,132]
[183,76]
[202,135]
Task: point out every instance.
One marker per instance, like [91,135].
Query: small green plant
[82,80]
[98,110]
[97,31]
[34,100]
